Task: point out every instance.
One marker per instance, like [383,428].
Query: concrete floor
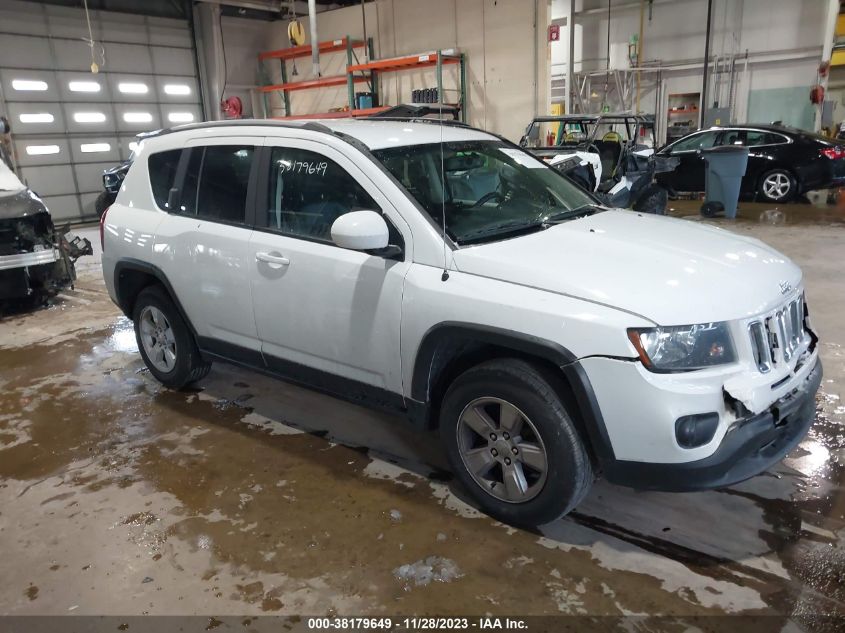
[250,496]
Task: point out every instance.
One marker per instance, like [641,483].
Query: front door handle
[274,259]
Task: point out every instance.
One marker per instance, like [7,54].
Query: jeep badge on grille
[785,287]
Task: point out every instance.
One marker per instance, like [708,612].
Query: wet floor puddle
[279,521]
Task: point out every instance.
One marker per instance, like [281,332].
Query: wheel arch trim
[423,379]
[130,264]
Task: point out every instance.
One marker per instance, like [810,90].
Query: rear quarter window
[162,168]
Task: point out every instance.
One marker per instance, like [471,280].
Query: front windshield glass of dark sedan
[491,190]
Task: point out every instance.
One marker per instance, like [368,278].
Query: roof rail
[317,127]
[414,119]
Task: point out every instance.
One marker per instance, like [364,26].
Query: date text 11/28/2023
[416,624]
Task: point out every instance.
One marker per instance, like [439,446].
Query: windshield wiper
[502,228]
[569,214]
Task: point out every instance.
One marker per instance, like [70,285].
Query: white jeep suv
[443,273]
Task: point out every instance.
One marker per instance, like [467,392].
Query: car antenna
[445,274]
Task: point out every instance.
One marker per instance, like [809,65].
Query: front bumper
[34,258]
[25,274]
[752,445]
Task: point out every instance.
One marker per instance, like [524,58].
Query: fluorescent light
[133,146]
[89,117]
[177,89]
[84,86]
[88,148]
[180,117]
[40,150]
[36,117]
[132,88]
[29,84]
[137,117]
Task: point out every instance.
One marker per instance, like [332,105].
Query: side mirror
[360,231]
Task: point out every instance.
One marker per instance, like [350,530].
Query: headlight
[683,347]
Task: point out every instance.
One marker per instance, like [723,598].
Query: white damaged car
[448,276]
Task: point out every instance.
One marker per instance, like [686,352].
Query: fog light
[696,430]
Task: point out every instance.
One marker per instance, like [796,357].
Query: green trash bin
[725,168]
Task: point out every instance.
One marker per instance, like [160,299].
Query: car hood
[667,270]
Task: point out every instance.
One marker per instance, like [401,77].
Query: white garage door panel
[89,177]
[176,84]
[131,86]
[169,32]
[88,118]
[72,55]
[87,201]
[21,51]
[32,118]
[26,158]
[22,17]
[137,117]
[175,61]
[49,180]
[83,84]
[8,77]
[63,208]
[95,150]
[45,43]
[125,28]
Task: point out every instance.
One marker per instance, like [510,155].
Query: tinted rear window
[162,166]
[223,183]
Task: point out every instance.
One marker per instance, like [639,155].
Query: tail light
[103,229]
[833,153]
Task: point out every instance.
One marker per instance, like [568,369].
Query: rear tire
[535,473]
[777,185]
[164,340]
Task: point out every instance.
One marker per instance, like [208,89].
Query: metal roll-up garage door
[69,124]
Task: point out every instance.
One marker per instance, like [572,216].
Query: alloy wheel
[776,186]
[502,450]
[158,339]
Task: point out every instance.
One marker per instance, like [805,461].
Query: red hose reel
[232,108]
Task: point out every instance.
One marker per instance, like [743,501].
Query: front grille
[776,338]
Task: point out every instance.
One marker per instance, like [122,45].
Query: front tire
[165,342]
[777,185]
[512,443]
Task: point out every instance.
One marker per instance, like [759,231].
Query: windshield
[492,190]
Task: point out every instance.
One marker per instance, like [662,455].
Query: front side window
[487,189]
[695,142]
[733,137]
[308,192]
[216,183]
[162,167]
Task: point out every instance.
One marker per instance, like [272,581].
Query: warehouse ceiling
[256,9]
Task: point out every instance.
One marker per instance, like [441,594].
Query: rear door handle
[275,259]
